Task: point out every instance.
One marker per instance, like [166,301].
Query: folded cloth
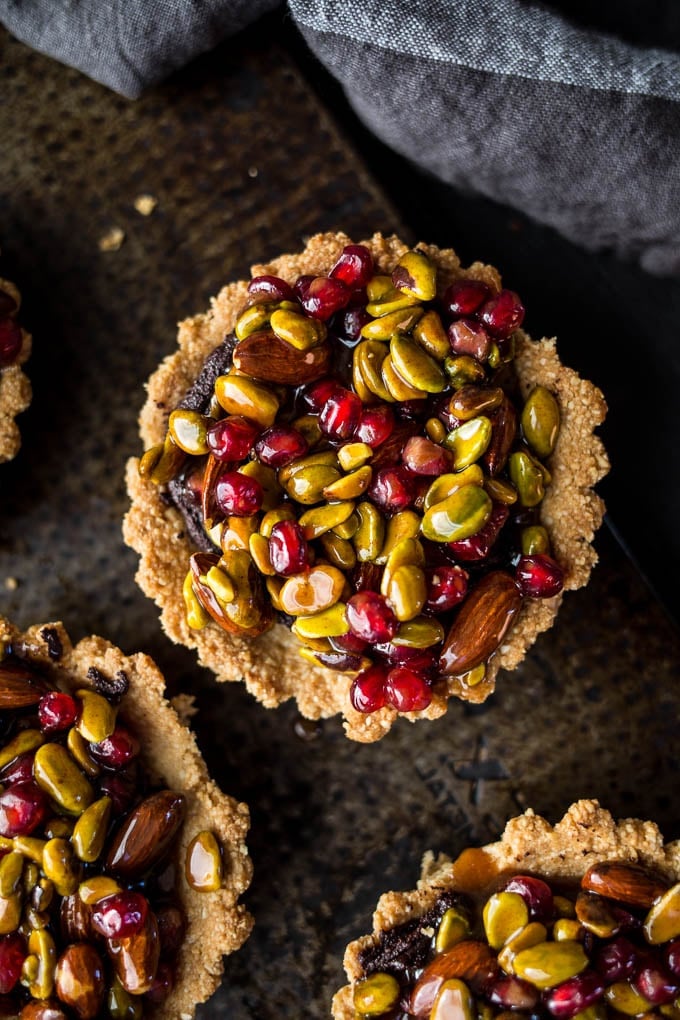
[127,44]
[577,129]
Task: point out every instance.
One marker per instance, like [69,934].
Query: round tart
[15,389]
[582,919]
[121,862]
[364,486]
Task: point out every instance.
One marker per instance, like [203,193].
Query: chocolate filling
[407,947]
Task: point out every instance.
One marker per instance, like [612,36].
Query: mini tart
[270,665]
[15,389]
[560,854]
[216,923]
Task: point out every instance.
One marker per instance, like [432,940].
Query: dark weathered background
[245,159]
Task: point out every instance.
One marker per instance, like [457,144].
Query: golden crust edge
[586,834]
[15,390]
[217,924]
[272,674]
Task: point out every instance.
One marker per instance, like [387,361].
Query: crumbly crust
[271,666]
[217,923]
[15,390]
[587,834]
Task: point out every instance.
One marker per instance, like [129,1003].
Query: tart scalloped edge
[587,834]
[270,665]
[216,923]
[15,390]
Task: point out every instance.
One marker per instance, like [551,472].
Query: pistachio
[435,430]
[312,592]
[453,999]
[397,386]
[404,524]
[550,963]
[308,483]
[61,866]
[453,928]
[11,869]
[445,486]
[89,833]
[469,441]
[203,866]
[239,395]
[80,752]
[30,847]
[197,618]
[505,913]
[463,370]
[97,718]
[625,999]
[349,486]
[339,551]
[369,536]
[121,1005]
[420,632]
[41,945]
[527,478]
[376,994]
[61,779]
[297,329]
[501,491]
[400,321]
[10,913]
[354,455]
[431,335]
[367,362]
[530,935]
[259,550]
[470,401]
[24,741]
[663,920]
[189,430]
[567,929]
[541,421]
[97,888]
[162,462]
[327,623]
[415,366]
[407,592]
[252,319]
[458,516]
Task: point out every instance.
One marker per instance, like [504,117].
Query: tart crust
[15,390]
[271,666]
[216,923]
[587,834]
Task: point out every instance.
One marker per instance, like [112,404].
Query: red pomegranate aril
[406,690]
[270,288]
[575,994]
[376,424]
[117,750]
[420,660]
[354,266]
[367,692]
[120,915]
[502,313]
[162,984]
[671,955]
[19,770]
[537,895]
[288,548]
[392,489]
[237,494]
[370,617]
[324,297]
[343,661]
[423,457]
[464,297]
[467,336]
[121,788]
[231,438]
[348,324]
[616,960]
[446,587]
[318,393]
[348,643]
[301,285]
[539,576]
[22,808]
[513,993]
[477,547]
[10,341]
[655,985]
[13,952]
[341,414]
[57,711]
[279,445]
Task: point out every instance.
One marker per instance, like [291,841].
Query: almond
[146,834]
[503,431]
[482,622]
[263,355]
[472,962]
[19,687]
[627,883]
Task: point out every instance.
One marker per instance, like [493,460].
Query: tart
[15,389]
[580,919]
[364,485]
[121,862]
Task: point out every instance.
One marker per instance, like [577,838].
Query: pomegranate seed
[539,576]
[354,266]
[575,994]
[279,445]
[120,915]
[424,457]
[117,750]
[121,787]
[301,285]
[238,494]
[10,341]
[464,297]
[57,711]
[12,955]
[348,643]
[406,690]
[655,985]
[288,548]
[502,314]
[446,587]
[341,414]
[420,660]
[349,323]
[162,984]
[367,692]
[323,297]
[536,894]
[171,928]
[467,336]
[318,393]
[477,547]
[616,960]
[376,424]
[19,770]
[344,661]
[231,438]
[22,808]
[370,617]
[392,489]
[672,957]
[513,993]
[270,288]
[411,410]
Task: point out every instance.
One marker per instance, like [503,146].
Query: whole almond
[43,1009]
[135,959]
[482,622]
[19,686]
[470,961]
[79,980]
[264,355]
[74,919]
[503,431]
[146,834]
[627,883]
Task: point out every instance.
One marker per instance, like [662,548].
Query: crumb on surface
[112,240]
[11,583]
[145,204]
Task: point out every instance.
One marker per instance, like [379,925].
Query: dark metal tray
[244,162]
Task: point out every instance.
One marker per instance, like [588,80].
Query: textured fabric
[578,130]
[127,44]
